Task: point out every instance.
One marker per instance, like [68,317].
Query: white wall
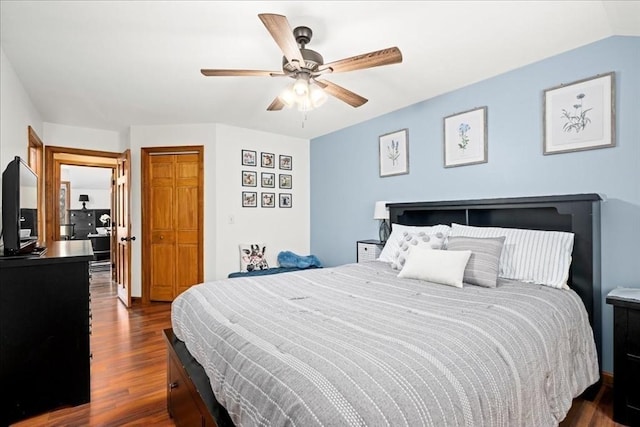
[279,228]
[83,138]
[99,198]
[173,135]
[92,181]
[16,114]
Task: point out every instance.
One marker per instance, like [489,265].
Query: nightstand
[368,250]
[626,355]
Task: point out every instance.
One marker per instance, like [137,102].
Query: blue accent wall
[345,181]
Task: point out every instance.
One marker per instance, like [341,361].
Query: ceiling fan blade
[341,93]
[231,73]
[276,105]
[388,56]
[282,33]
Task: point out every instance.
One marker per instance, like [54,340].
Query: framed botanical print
[580,115]
[465,138]
[394,153]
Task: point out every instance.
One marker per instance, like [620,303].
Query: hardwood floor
[128,370]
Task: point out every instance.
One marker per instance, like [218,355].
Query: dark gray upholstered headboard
[575,213]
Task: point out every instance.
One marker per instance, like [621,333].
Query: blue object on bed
[267,271]
[289,259]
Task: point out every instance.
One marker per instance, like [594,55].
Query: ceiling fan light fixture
[313,98]
[288,97]
[317,96]
[301,86]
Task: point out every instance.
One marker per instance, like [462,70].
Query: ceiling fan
[306,65]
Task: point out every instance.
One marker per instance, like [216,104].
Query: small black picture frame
[285,200]
[268,160]
[268,180]
[285,162]
[249,199]
[249,178]
[249,158]
[285,181]
[268,200]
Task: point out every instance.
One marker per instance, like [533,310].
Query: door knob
[127,239]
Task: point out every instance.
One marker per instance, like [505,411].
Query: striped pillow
[532,256]
[484,264]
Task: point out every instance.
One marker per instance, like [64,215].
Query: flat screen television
[19,208]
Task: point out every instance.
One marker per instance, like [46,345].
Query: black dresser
[626,358]
[84,221]
[44,330]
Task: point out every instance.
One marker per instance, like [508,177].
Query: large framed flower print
[580,115]
[465,138]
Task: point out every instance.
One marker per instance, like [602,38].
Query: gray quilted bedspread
[355,345]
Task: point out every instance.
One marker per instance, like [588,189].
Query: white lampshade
[381,211]
[288,97]
[317,96]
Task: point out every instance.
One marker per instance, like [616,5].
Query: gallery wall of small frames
[263,178]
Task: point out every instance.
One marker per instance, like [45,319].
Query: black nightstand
[626,358]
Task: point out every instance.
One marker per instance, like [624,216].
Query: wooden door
[122,220]
[36,163]
[172,221]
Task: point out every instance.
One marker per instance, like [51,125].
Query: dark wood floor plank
[128,370]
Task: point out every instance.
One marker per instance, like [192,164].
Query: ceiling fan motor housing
[312,60]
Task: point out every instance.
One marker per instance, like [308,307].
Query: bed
[357,345]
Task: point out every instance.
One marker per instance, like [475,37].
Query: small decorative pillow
[252,257]
[484,263]
[437,266]
[397,233]
[422,239]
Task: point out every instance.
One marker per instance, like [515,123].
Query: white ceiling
[113,64]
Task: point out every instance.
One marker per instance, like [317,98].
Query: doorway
[85,210]
[55,159]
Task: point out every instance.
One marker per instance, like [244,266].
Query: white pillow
[397,232]
[437,266]
[532,256]
[433,241]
